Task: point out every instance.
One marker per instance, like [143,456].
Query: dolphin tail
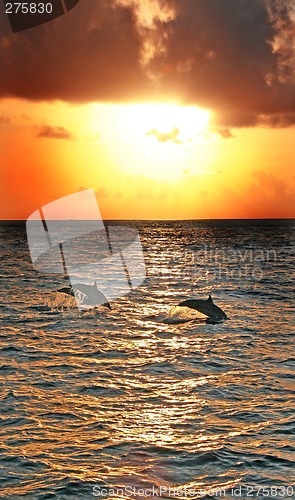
[67,289]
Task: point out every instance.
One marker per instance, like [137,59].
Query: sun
[158,138]
[189,121]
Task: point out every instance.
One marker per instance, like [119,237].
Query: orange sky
[184,125]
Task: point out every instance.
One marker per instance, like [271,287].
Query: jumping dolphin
[207,307]
[86,295]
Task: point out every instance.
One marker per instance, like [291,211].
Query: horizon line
[163,220]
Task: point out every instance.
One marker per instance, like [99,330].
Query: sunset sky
[168,109]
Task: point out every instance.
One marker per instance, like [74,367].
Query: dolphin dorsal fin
[210,298]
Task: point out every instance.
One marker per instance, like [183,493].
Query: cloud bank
[236,57]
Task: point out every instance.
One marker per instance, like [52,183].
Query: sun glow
[152,139]
[139,120]
[156,139]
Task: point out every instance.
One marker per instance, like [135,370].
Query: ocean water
[144,400]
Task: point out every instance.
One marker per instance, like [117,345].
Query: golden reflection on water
[84,423]
[124,397]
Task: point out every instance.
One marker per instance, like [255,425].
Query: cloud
[270,183]
[278,120]
[4,119]
[267,196]
[228,55]
[217,132]
[235,118]
[270,195]
[264,120]
[223,132]
[91,54]
[236,57]
[172,136]
[175,135]
[46,131]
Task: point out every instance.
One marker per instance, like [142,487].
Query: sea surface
[146,400]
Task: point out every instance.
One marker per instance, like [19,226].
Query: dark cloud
[272,120]
[279,120]
[236,57]
[226,55]
[91,54]
[172,136]
[235,118]
[53,133]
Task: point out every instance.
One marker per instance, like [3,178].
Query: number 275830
[28,8]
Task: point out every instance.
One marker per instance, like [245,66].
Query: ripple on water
[121,397]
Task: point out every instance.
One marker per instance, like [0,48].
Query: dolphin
[207,307]
[86,295]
